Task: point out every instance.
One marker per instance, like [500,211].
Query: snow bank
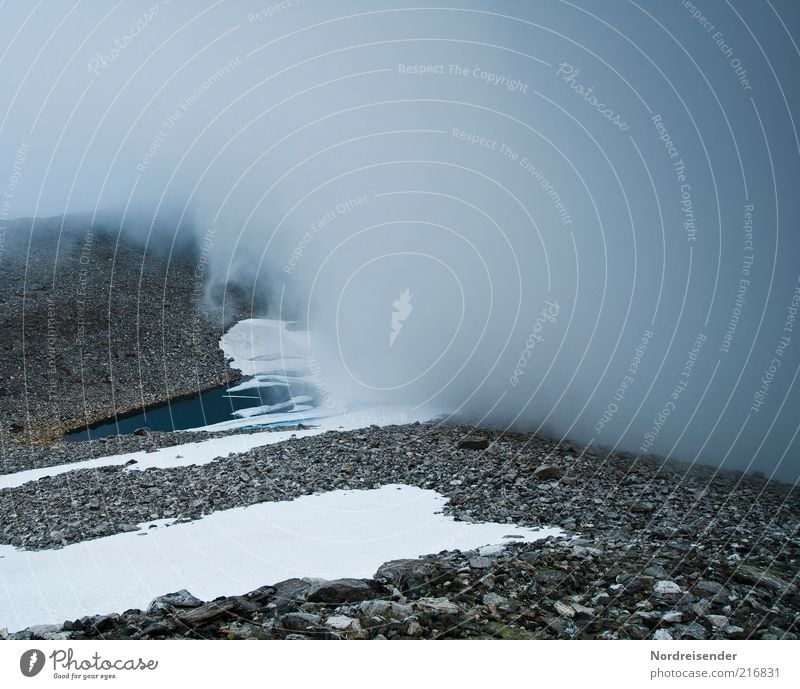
[336,534]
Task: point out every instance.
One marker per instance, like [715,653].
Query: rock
[205,613]
[345,591]
[38,631]
[563,626]
[564,609]
[642,507]
[298,622]
[705,588]
[666,588]
[747,574]
[472,442]
[582,610]
[407,575]
[655,571]
[734,632]
[585,551]
[493,599]
[157,629]
[437,606]
[480,562]
[672,616]
[693,631]
[548,472]
[142,431]
[662,635]
[717,621]
[385,609]
[288,594]
[414,629]
[343,623]
[3,633]
[170,601]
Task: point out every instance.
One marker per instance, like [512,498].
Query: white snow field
[332,535]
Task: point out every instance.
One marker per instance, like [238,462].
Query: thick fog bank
[576,217]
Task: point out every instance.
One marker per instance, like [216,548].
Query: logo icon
[402,310]
[31,662]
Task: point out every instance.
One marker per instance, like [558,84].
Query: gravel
[717,557]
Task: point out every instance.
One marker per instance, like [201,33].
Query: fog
[575,218]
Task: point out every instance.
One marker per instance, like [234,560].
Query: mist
[571,218]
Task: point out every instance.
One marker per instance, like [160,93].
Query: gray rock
[548,472]
[666,588]
[705,588]
[298,622]
[170,601]
[694,631]
[493,599]
[472,442]
[345,591]
[564,609]
[480,562]
[734,632]
[385,610]
[437,606]
[407,575]
[717,621]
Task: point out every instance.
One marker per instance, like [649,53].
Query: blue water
[211,406]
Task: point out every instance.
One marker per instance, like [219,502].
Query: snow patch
[333,535]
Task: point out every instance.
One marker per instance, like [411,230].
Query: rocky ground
[95,324]
[23,457]
[653,550]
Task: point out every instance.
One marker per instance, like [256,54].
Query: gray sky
[591,204]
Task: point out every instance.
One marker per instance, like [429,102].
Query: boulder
[548,472]
[408,575]
[170,601]
[472,442]
[341,591]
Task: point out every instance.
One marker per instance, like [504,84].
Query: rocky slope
[94,323]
